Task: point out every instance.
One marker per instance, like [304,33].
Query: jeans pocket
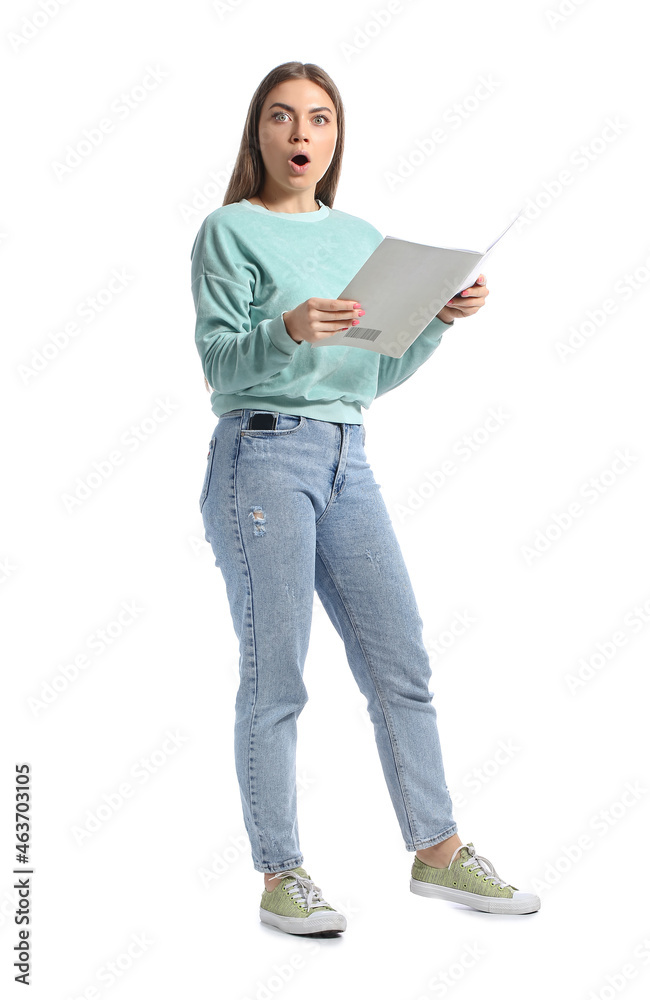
[363,435]
[287,423]
[208,473]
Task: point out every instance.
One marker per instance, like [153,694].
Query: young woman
[290,503]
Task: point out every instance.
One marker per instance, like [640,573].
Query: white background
[171,862]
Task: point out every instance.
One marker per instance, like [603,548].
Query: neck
[304,201]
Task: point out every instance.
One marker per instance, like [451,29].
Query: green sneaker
[297,906]
[472,880]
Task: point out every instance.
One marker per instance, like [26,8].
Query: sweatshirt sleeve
[394,371]
[233,355]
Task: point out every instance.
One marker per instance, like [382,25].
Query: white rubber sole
[315,923]
[521,902]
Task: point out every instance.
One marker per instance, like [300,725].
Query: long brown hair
[247,177]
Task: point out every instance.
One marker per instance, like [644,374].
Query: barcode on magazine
[364,332]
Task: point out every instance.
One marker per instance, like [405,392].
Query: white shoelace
[478,863]
[303,890]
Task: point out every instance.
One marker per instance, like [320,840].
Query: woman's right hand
[315,319]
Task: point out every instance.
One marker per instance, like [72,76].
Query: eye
[276,113]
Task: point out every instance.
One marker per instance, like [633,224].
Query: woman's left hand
[469,301]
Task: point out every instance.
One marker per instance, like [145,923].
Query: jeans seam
[432,841]
[207,479]
[254,649]
[389,727]
[334,495]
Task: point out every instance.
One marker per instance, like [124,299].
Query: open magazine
[402,286]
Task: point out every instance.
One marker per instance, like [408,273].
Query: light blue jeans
[287,511]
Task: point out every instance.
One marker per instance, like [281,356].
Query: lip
[294,166]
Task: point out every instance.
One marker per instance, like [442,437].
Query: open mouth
[299,163]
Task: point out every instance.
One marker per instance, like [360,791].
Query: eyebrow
[287,107]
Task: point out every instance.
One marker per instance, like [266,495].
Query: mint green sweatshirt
[249,266]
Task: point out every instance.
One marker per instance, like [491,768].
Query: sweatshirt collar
[322,212]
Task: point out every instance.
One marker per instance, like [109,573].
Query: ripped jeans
[288,510]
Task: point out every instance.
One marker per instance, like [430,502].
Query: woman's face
[297,115]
